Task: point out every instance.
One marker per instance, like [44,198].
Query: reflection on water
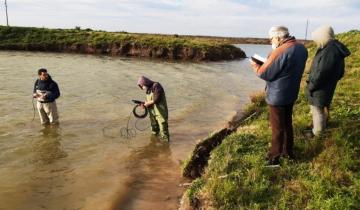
[74,166]
[47,148]
[131,128]
[150,167]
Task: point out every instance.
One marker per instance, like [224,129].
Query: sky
[234,18]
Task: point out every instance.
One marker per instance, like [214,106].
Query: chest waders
[158,114]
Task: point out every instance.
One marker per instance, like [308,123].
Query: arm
[35,84]
[54,92]
[35,95]
[270,70]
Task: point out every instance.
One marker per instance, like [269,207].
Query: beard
[274,46]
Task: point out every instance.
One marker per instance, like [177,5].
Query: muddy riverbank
[124,44]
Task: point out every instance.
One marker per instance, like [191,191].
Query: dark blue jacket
[48,85]
[283,72]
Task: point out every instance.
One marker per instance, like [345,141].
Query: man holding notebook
[282,72]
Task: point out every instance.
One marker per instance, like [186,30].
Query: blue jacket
[283,71]
[48,85]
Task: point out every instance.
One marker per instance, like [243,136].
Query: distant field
[78,40]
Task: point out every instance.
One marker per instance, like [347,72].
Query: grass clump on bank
[325,174]
[117,43]
[28,35]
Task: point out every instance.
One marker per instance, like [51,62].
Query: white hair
[278,31]
[323,35]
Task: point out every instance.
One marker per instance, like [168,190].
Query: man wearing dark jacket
[46,91]
[326,70]
[282,72]
[157,106]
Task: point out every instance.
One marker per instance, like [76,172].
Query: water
[74,166]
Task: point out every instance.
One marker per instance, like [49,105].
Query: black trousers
[282,132]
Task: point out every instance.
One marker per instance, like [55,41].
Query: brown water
[76,166]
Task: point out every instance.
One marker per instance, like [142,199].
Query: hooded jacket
[155,92]
[153,87]
[282,72]
[327,69]
[50,86]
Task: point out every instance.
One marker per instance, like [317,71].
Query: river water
[84,163]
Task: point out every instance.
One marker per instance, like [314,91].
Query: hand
[148,103]
[254,66]
[142,105]
[42,96]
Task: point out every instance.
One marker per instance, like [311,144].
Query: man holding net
[157,107]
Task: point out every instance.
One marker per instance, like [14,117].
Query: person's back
[326,70]
[157,94]
[284,71]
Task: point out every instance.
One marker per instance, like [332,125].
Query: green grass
[44,36]
[118,43]
[326,173]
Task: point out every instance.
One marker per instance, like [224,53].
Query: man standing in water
[157,106]
[46,91]
[282,72]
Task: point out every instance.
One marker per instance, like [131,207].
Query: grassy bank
[325,174]
[117,43]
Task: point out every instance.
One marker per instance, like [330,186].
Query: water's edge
[197,162]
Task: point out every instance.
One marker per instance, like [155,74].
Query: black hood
[344,51]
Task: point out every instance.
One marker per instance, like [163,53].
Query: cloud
[204,17]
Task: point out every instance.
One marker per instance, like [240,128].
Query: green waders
[159,117]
